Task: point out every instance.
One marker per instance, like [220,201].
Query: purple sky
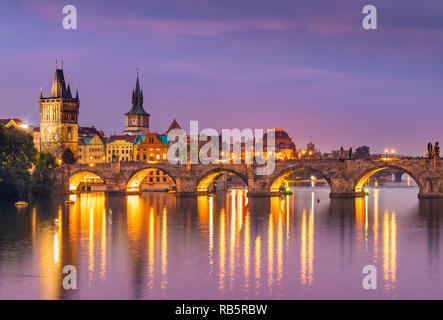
[306,66]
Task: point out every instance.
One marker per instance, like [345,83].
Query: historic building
[137,119]
[121,148]
[92,150]
[284,146]
[157,180]
[59,120]
[310,152]
[89,132]
[174,126]
[154,147]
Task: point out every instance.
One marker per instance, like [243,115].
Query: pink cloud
[47,9]
[176,27]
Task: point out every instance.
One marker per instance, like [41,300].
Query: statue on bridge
[433,151]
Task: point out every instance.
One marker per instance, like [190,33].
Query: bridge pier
[260,186]
[186,185]
[343,188]
[430,187]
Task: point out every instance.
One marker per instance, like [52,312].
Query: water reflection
[157,245]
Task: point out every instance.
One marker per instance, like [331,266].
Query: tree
[16,149]
[362,152]
[42,177]
[17,156]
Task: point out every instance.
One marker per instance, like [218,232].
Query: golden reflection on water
[237,242]
[389,250]
[307,247]
[375,226]
[222,245]
[247,252]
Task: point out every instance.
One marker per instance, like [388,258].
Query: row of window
[120,159]
[91,157]
[157,179]
[123,151]
[151,156]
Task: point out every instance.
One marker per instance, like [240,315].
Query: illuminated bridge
[345,177]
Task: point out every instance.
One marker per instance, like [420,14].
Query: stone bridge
[345,177]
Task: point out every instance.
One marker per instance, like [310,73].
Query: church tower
[59,120]
[137,119]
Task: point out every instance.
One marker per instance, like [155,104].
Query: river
[159,246]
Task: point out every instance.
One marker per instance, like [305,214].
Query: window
[158,179]
[151,180]
[164,179]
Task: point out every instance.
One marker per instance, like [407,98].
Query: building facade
[59,121]
[120,148]
[92,150]
[152,148]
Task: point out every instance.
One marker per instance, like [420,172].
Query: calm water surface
[159,246]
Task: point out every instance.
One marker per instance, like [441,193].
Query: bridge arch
[205,180]
[137,177]
[363,177]
[83,176]
[281,176]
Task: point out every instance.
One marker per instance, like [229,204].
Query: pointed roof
[137,100]
[59,89]
[68,91]
[174,125]
[58,85]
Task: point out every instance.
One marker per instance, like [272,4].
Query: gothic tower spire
[137,119]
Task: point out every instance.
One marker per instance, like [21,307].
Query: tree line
[25,173]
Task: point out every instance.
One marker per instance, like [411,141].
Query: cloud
[204,28]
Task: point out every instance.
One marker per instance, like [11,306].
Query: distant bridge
[345,177]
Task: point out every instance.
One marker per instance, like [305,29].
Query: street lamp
[392,152]
[386,153]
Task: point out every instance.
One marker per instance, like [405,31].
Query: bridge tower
[59,120]
[137,119]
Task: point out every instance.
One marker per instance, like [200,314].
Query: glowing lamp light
[23,126]
[92,164]
[59,161]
